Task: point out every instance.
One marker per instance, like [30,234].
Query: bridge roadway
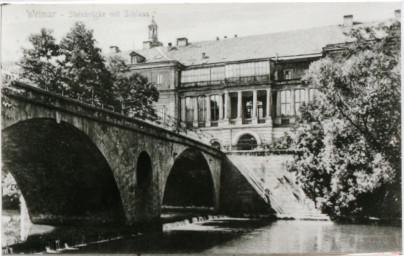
[80,164]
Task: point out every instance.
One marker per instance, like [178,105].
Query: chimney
[217,38]
[182,41]
[114,49]
[235,36]
[397,14]
[170,46]
[203,55]
[146,45]
[348,21]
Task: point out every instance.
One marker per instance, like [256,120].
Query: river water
[253,236]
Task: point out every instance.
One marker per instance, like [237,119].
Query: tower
[153,38]
[153,31]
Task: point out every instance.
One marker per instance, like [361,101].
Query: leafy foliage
[133,93]
[10,191]
[349,138]
[76,68]
[39,63]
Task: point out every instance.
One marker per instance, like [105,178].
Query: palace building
[244,91]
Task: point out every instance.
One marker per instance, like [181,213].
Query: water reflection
[248,236]
[314,237]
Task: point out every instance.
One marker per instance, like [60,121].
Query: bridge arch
[63,176]
[190,182]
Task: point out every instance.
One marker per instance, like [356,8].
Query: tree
[76,68]
[39,65]
[83,66]
[349,138]
[10,191]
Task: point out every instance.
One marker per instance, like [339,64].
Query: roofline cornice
[168,63]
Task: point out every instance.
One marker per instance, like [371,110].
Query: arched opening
[189,184]
[144,190]
[144,171]
[246,142]
[62,175]
[216,145]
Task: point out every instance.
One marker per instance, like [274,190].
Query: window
[201,109]
[189,109]
[195,75]
[313,93]
[246,142]
[285,103]
[214,107]
[276,75]
[261,68]
[133,59]
[248,109]
[260,109]
[287,74]
[159,79]
[300,96]
[217,73]
[161,111]
[247,69]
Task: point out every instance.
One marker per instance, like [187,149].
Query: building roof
[290,43]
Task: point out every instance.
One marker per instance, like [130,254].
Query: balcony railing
[202,83]
[247,80]
[244,80]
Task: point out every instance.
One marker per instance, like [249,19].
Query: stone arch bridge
[79,164]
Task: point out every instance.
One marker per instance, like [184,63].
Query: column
[239,108]
[278,103]
[196,123]
[254,108]
[268,107]
[292,102]
[207,123]
[183,113]
[227,108]
[307,98]
[220,108]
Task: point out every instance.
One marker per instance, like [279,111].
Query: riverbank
[45,238]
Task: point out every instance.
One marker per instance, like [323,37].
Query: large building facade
[244,91]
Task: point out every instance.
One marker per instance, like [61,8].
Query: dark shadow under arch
[144,190]
[144,171]
[247,142]
[62,175]
[190,182]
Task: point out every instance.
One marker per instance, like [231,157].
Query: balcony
[244,80]
[203,83]
[248,80]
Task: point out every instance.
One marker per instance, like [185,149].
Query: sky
[125,25]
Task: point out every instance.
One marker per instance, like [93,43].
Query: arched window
[247,142]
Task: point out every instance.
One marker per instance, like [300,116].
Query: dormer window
[136,58]
[287,74]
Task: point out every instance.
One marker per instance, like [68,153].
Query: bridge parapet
[165,127]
